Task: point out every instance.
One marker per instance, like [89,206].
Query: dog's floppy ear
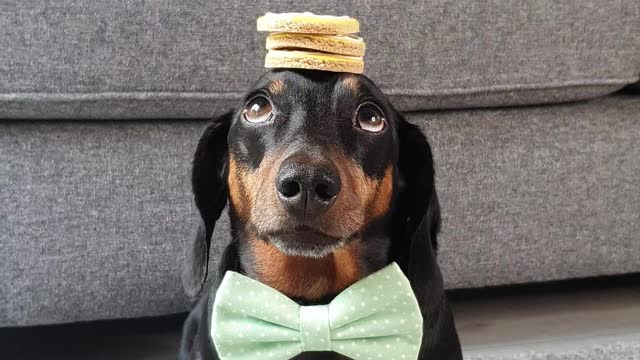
[416,246]
[209,182]
[417,207]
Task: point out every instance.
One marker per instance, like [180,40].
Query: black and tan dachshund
[326,183]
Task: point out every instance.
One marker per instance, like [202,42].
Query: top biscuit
[308,23]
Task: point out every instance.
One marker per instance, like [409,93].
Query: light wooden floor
[542,318]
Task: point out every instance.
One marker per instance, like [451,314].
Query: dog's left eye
[258,110]
[370,118]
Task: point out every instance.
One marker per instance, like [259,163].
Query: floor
[490,321]
[145,339]
[560,318]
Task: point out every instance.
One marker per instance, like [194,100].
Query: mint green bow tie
[376,318]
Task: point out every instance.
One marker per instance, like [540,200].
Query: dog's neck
[304,279]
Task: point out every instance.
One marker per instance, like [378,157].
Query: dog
[326,183]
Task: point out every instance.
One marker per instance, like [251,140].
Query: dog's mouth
[305,241]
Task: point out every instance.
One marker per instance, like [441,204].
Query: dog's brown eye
[258,110]
[370,118]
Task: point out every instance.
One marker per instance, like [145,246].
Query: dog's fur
[387,208]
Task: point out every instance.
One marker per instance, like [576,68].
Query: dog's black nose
[307,187]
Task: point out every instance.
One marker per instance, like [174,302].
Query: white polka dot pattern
[376,318]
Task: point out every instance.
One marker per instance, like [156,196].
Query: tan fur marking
[380,200]
[245,186]
[361,199]
[352,83]
[305,277]
[276,87]
[347,213]
[237,192]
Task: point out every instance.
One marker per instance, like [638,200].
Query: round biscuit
[308,23]
[335,44]
[314,61]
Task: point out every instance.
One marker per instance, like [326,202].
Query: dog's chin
[306,243]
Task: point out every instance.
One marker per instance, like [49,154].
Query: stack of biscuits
[309,41]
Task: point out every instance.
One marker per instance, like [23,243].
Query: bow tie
[376,318]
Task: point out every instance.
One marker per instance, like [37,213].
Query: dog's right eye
[258,110]
[370,118]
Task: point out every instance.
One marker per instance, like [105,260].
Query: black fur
[209,183]
[407,235]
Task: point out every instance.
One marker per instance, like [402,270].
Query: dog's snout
[307,187]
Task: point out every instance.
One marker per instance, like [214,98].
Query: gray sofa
[102,103]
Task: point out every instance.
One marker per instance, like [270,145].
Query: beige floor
[549,317]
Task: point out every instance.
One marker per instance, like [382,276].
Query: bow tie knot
[377,317]
[315,334]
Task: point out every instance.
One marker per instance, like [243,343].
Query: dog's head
[311,164]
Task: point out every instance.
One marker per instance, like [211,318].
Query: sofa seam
[203,95]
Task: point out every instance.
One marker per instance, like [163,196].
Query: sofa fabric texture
[96,216]
[95,59]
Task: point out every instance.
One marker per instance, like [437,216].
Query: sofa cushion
[96,216]
[538,194]
[96,59]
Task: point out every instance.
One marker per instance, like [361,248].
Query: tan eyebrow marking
[351,83]
[276,86]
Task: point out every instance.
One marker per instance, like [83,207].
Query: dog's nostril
[326,191]
[289,188]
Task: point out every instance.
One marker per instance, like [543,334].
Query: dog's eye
[370,118]
[259,109]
